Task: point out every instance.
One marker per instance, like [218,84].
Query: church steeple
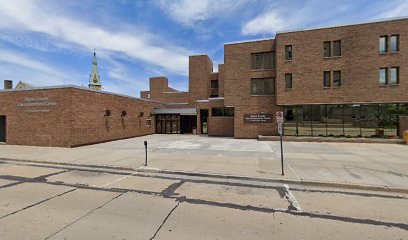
[94,78]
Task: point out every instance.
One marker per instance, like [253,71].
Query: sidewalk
[348,163]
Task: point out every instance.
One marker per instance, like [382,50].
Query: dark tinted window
[326,79]
[337,48]
[288,52]
[337,78]
[327,49]
[263,86]
[223,112]
[288,80]
[262,60]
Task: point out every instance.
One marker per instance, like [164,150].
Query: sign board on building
[149,121]
[279,117]
[258,118]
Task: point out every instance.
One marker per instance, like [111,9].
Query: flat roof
[76,87]
[318,28]
[346,24]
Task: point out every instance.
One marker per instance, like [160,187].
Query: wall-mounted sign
[148,121]
[258,118]
[36,102]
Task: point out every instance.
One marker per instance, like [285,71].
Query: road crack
[165,219]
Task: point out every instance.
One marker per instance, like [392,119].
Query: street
[63,201]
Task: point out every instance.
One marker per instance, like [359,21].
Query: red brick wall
[27,126]
[221,126]
[237,92]
[200,69]
[89,124]
[360,63]
[76,119]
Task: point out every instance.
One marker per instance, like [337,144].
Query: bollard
[145,144]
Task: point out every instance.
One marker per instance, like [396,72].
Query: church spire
[94,78]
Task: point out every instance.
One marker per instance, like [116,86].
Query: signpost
[279,120]
[145,144]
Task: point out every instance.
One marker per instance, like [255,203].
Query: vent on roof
[8,84]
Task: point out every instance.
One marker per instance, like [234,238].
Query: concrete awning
[181,111]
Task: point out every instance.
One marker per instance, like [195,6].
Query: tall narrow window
[337,78]
[383,76]
[288,52]
[326,79]
[383,44]
[326,49]
[394,43]
[337,48]
[288,80]
[214,83]
[262,60]
[394,75]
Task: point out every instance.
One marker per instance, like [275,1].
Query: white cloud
[267,23]
[190,12]
[398,9]
[34,16]
[23,60]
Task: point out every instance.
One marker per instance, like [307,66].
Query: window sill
[288,89]
[394,52]
[394,84]
[260,70]
[383,86]
[262,95]
[288,60]
[382,53]
[332,57]
[326,87]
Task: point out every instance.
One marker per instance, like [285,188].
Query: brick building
[349,81]
[346,81]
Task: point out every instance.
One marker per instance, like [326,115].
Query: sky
[51,42]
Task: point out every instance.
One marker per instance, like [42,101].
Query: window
[288,80]
[336,78]
[326,79]
[148,95]
[394,43]
[223,112]
[288,52]
[337,48]
[383,44]
[326,49]
[394,75]
[383,76]
[262,60]
[262,86]
[214,83]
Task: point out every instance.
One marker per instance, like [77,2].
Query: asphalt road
[62,201]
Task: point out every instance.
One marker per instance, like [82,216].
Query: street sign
[279,117]
[280,130]
[279,121]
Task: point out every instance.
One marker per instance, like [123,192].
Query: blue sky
[50,42]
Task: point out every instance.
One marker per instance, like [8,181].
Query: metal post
[145,144]
[281,145]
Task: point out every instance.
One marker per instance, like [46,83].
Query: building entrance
[169,123]
[2,129]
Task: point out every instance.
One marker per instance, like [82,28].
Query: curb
[278,180]
[235,177]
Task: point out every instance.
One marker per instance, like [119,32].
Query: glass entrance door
[168,123]
[2,129]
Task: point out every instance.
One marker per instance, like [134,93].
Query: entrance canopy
[181,111]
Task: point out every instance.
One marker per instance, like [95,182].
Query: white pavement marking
[292,199]
[117,180]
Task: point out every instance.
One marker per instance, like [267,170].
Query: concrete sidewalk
[348,163]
